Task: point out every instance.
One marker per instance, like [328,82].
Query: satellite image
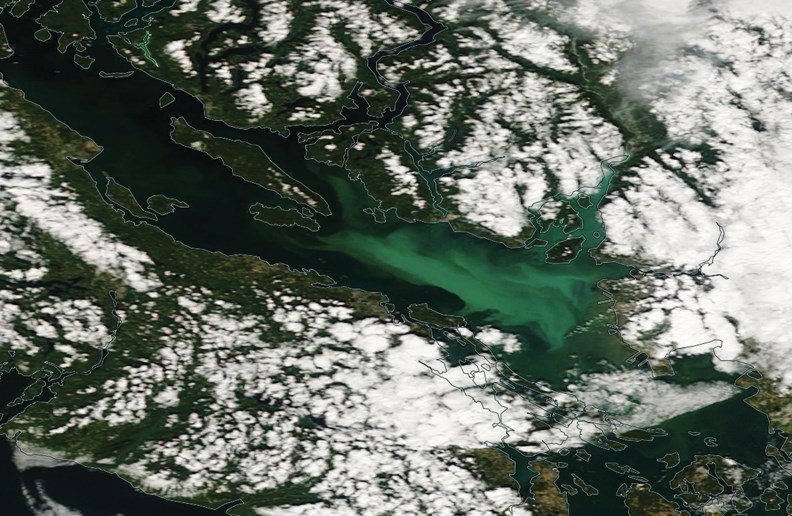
[370,257]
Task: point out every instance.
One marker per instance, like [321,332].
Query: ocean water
[33,485]
[456,273]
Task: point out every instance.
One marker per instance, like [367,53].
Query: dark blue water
[75,96]
[91,492]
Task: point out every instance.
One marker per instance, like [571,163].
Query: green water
[511,288]
[456,273]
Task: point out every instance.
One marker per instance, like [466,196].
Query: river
[456,273]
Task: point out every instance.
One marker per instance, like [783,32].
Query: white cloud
[28,187]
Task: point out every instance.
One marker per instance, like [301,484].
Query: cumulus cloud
[753,7]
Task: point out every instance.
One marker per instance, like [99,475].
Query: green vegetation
[277,216]
[43,35]
[113,10]
[140,40]
[123,197]
[248,162]
[487,279]
[642,501]
[5,48]
[490,465]
[515,289]
[547,499]
[421,312]
[298,494]
[565,251]
[164,205]
[70,19]
[166,99]
[704,478]
[768,400]
[219,51]
[83,62]
[21,7]
[238,280]
[404,192]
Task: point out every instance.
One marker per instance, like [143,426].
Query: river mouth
[557,310]
[454,272]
